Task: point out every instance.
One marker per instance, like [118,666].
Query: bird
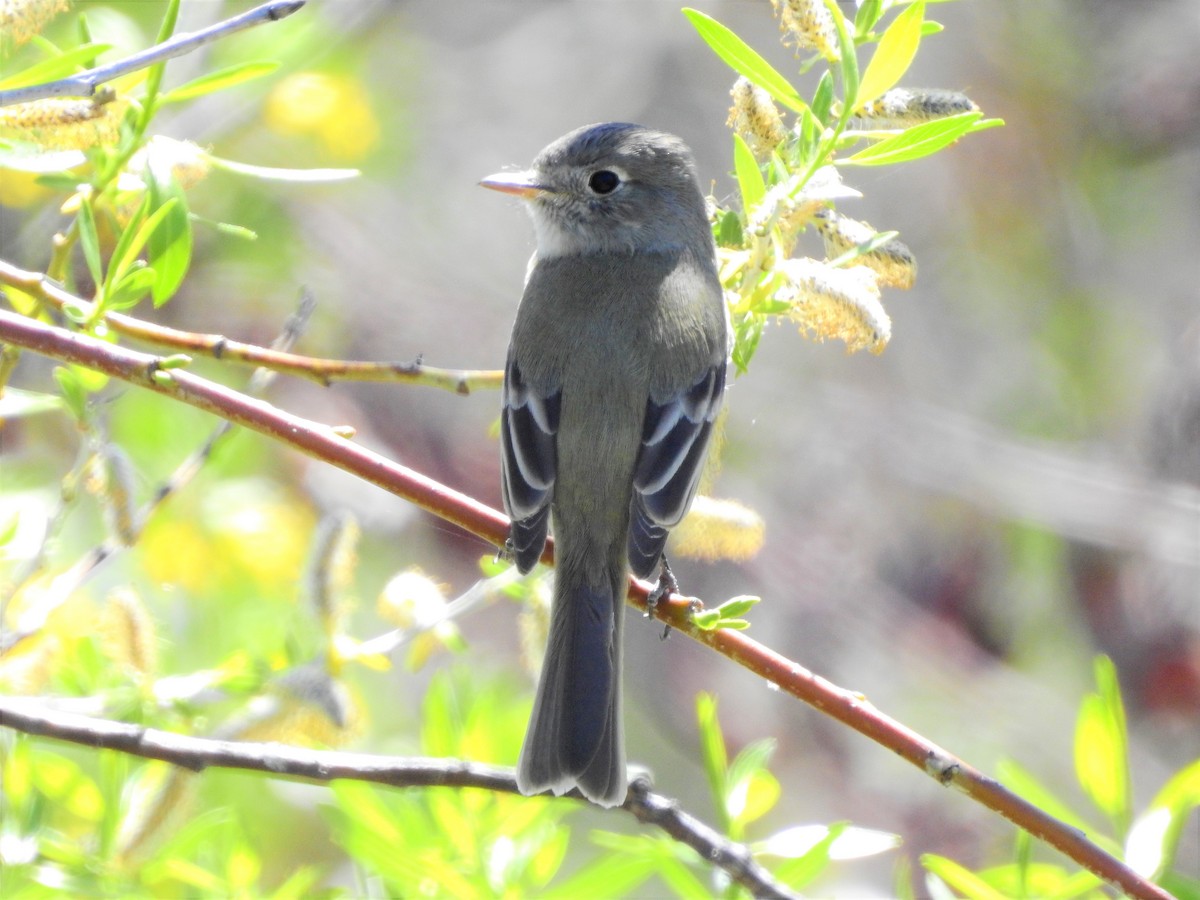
[614,377]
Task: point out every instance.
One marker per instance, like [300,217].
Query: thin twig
[322,442]
[66,583]
[84,84]
[322,371]
[282,761]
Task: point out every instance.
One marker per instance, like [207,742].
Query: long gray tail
[575,736]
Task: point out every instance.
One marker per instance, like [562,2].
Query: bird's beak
[521,184]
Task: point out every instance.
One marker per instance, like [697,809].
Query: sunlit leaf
[960,878]
[1153,840]
[169,249]
[128,250]
[848,64]
[219,80]
[1101,754]
[61,66]
[893,56]
[749,175]
[16,403]
[743,59]
[269,173]
[89,241]
[915,142]
[800,871]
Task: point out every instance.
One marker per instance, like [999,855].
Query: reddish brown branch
[322,371]
[320,441]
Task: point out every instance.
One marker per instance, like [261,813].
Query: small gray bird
[615,373]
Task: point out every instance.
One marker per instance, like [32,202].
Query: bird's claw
[667,584]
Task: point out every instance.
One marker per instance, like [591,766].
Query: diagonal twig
[84,84]
[281,761]
[322,371]
[322,442]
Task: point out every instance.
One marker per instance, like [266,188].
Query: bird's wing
[529,462]
[675,437]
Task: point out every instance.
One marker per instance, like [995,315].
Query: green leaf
[747,334]
[56,67]
[801,871]
[960,878]
[219,80]
[1153,840]
[73,391]
[16,403]
[866,17]
[822,101]
[712,752]
[130,290]
[268,173]
[154,74]
[90,242]
[129,248]
[749,175]
[728,231]
[893,56]
[1101,752]
[743,59]
[738,606]
[849,62]
[915,142]
[1019,780]
[169,248]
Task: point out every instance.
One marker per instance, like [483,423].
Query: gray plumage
[615,374]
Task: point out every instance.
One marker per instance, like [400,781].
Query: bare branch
[282,761]
[322,371]
[848,707]
[84,84]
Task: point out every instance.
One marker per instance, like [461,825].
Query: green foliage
[744,791]
[1148,841]
[789,176]
[501,845]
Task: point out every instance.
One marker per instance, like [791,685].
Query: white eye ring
[605,180]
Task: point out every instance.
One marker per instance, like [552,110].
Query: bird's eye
[604,181]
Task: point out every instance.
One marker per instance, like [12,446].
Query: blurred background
[954,528]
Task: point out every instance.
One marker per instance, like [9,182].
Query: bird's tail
[575,736]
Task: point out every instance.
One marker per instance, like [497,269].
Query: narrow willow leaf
[822,101]
[960,878]
[54,68]
[169,248]
[893,56]
[130,290]
[801,871]
[15,404]
[1099,761]
[743,59]
[130,251]
[90,242]
[913,143]
[849,61]
[866,17]
[712,744]
[749,175]
[113,275]
[219,81]
[268,173]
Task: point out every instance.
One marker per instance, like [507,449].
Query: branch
[84,84]
[322,371]
[320,441]
[280,760]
